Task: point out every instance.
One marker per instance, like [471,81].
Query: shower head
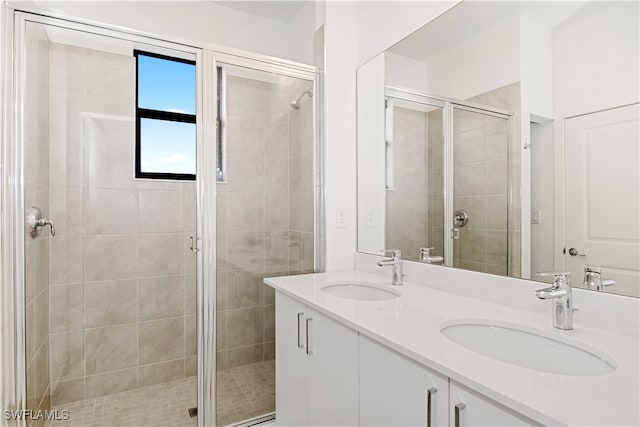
[295,104]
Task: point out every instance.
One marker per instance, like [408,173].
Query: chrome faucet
[426,257]
[396,263]
[560,292]
[593,278]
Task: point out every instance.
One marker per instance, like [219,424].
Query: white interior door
[603,196]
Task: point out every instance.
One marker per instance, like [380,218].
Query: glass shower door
[265,227]
[480,229]
[111,296]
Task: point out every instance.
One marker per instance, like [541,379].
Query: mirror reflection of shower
[295,104]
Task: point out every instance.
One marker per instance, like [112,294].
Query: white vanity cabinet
[469,408]
[329,375]
[396,391]
[316,367]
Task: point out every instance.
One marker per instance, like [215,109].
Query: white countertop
[410,324]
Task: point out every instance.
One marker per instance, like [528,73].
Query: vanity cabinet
[329,375]
[470,408]
[316,367]
[396,391]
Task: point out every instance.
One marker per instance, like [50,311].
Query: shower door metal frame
[13,256]
[449,105]
[13,18]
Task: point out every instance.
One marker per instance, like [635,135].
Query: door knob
[574,252]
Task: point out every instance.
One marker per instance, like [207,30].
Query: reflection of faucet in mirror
[426,257]
[593,278]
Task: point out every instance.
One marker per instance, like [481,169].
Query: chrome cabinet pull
[459,407]
[430,391]
[300,343]
[309,351]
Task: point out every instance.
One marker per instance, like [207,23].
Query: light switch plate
[341,218]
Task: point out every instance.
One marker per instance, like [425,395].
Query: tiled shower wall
[501,206]
[406,209]
[37,194]
[264,212]
[122,277]
[480,188]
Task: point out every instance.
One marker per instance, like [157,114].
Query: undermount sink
[360,291]
[527,348]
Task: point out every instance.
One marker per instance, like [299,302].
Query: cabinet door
[479,410]
[291,362]
[395,391]
[333,372]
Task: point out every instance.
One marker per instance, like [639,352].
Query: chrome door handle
[430,391]
[459,407]
[574,252]
[194,242]
[300,343]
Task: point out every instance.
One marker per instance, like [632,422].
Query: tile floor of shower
[244,392]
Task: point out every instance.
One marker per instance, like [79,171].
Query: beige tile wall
[37,246]
[264,212]
[122,277]
[406,209]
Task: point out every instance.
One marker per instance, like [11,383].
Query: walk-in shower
[116,304]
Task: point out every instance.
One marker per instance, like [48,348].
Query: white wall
[469,68]
[597,59]
[340,132]
[381,24]
[200,21]
[403,71]
[301,29]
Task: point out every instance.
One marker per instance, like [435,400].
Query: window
[165,117]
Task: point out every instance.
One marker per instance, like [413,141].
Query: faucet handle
[559,277]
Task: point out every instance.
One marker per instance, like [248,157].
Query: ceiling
[282,10]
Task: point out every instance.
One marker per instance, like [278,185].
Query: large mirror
[503,137]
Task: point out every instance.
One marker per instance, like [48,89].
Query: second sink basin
[360,291]
[527,348]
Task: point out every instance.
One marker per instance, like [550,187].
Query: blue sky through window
[167,147]
[165,85]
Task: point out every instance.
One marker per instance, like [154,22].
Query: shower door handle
[194,244]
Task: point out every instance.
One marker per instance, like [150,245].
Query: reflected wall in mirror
[504,136]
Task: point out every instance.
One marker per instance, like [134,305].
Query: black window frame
[146,113]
